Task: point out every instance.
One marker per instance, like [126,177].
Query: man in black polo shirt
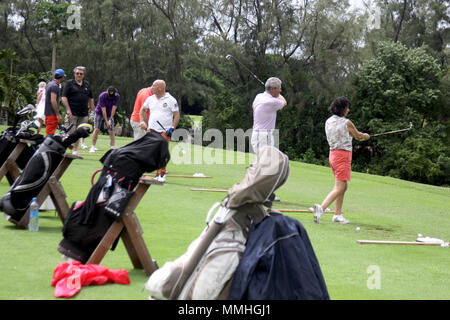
[77,97]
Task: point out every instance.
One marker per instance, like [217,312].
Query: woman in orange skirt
[339,131]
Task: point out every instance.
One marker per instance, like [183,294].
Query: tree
[399,86]
[52,17]
[15,90]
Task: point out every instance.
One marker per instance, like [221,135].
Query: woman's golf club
[395,131]
[229,56]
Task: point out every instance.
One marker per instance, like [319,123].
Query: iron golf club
[395,131]
[229,56]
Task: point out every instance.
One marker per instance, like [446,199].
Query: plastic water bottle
[33,224]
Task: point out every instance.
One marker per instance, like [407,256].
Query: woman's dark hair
[338,106]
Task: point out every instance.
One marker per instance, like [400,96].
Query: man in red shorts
[52,115]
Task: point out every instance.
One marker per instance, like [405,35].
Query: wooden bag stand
[10,164]
[130,231]
[55,190]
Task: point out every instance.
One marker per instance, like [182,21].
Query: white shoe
[340,218]
[92,149]
[75,152]
[112,147]
[84,147]
[162,178]
[318,213]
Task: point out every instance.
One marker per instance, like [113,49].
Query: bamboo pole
[209,190]
[411,243]
[299,210]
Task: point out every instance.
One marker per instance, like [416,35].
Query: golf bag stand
[37,172]
[87,222]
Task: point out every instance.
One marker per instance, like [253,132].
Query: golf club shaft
[161,125]
[389,132]
[248,70]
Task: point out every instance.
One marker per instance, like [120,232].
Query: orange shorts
[51,123]
[340,162]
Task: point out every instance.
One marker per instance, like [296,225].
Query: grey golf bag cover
[206,270]
[36,173]
[9,140]
[87,222]
[21,129]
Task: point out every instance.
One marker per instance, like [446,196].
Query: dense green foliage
[392,63]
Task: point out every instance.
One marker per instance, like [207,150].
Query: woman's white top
[337,133]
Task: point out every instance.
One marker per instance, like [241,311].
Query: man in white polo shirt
[164,116]
[265,107]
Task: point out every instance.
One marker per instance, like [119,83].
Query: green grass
[197,120]
[172,216]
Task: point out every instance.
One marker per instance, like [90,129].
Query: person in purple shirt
[105,110]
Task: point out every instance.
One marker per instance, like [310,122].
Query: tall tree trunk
[54,57]
[402,17]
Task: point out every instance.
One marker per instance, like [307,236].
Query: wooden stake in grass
[209,190]
[184,176]
[410,243]
[300,211]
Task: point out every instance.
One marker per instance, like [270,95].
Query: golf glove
[170,131]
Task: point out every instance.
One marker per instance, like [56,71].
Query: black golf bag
[37,172]
[11,136]
[87,222]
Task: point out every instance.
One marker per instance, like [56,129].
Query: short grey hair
[273,83]
[79,68]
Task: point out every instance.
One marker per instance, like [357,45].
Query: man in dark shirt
[51,111]
[77,97]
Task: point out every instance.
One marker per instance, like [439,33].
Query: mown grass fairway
[172,216]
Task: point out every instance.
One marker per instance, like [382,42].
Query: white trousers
[262,138]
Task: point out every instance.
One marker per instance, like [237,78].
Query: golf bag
[278,263]
[87,222]
[205,271]
[11,136]
[37,172]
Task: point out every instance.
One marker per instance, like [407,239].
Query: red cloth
[69,277]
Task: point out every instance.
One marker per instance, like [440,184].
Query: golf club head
[87,127]
[25,125]
[28,109]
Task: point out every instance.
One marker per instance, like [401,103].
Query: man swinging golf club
[164,112]
[265,108]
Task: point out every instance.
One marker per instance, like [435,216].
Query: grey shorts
[76,121]
[98,122]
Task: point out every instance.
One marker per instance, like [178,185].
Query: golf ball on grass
[358,228]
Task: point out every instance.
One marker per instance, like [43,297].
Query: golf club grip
[161,125]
